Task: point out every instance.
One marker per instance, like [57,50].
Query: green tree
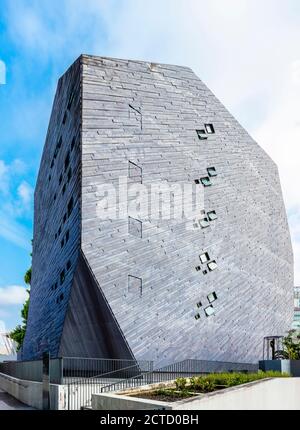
[18,333]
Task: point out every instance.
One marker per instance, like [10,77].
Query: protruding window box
[212,266]
[212,215]
[212,297]
[205,181]
[204,223]
[209,311]
[212,171]
[204,258]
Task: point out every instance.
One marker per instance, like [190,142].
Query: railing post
[61,370]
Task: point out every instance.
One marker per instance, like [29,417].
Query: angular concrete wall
[140,119]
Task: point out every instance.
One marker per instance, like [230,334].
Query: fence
[183,368]
[86,376]
[33,370]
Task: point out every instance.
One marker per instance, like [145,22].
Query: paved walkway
[8,402]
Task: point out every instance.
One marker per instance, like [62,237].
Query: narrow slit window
[212,266]
[67,235]
[65,218]
[209,311]
[69,174]
[71,99]
[68,265]
[135,172]
[61,297]
[212,171]
[204,258]
[64,118]
[135,285]
[209,128]
[205,181]
[54,197]
[212,297]
[62,277]
[59,143]
[73,144]
[62,242]
[60,179]
[70,206]
[67,161]
[212,215]
[135,227]
[52,164]
[204,223]
[201,134]
[49,178]
[63,189]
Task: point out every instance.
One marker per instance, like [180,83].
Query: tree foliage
[18,333]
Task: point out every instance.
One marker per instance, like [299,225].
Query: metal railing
[183,368]
[80,389]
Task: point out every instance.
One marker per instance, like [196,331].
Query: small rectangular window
[212,171]
[135,285]
[68,265]
[212,297]
[212,265]
[49,178]
[59,143]
[197,316]
[67,235]
[199,304]
[63,189]
[205,181]
[201,134]
[60,179]
[59,231]
[204,223]
[61,297]
[209,311]
[65,218]
[197,181]
[204,258]
[204,272]
[209,128]
[135,227]
[52,164]
[198,268]
[62,242]
[212,215]
[54,197]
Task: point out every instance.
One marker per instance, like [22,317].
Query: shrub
[180,383]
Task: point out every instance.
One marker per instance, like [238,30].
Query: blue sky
[246,51]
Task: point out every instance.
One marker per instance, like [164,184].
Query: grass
[189,387]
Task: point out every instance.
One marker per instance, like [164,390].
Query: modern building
[296,320]
[150,287]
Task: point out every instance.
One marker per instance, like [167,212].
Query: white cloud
[246,51]
[13,295]
[25,192]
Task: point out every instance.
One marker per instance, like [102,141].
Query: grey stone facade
[147,288]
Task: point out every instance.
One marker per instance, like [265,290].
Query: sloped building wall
[252,286]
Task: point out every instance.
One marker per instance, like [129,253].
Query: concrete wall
[113,402]
[31,393]
[271,394]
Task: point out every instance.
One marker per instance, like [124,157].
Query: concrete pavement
[8,402]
